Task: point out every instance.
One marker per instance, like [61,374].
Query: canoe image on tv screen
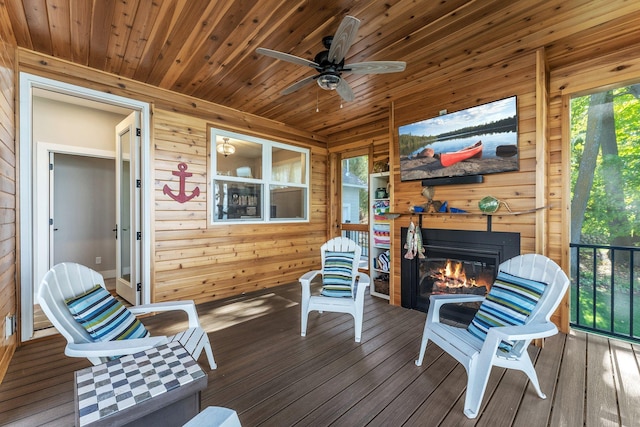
[476,141]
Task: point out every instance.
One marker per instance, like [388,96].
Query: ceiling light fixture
[329,81]
[225,148]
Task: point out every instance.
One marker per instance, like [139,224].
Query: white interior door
[128,219]
[52,227]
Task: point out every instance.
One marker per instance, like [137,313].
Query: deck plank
[434,373]
[571,383]
[601,406]
[627,377]
[271,375]
[547,366]
[292,399]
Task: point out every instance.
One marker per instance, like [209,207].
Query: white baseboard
[108,274]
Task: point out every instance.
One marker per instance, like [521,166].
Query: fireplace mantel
[488,216]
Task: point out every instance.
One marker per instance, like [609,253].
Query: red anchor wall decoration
[181,196]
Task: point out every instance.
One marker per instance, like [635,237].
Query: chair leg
[423,345]
[209,351]
[304,317]
[526,366]
[478,377]
[357,319]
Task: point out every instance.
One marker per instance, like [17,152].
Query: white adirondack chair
[66,280]
[353,305]
[478,357]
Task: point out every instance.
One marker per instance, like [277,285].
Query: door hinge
[50,221]
[50,166]
[138,183]
[138,132]
[139,235]
[138,287]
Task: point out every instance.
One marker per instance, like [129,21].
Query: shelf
[380,228]
[394,215]
[489,216]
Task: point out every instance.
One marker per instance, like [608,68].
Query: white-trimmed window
[257,180]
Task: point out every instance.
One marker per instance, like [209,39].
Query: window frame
[265,182]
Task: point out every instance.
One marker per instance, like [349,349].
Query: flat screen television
[476,141]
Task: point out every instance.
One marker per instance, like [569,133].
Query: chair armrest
[307,277]
[305,282]
[187,306]
[442,299]
[513,333]
[113,348]
[363,280]
[361,285]
[523,332]
[437,301]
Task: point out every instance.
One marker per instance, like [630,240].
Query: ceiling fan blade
[286,57]
[343,39]
[375,67]
[344,90]
[297,85]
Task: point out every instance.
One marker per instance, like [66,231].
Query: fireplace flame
[455,272]
[454,276]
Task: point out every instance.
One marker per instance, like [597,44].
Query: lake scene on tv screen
[476,141]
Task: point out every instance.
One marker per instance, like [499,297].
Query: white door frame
[127,289]
[42,208]
[30,244]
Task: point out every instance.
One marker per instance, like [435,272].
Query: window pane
[237,200]
[256,180]
[244,162]
[288,166]
[287,202]
[355,190]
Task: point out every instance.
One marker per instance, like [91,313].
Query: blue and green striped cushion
[336,274]
[104,317]
[509,302]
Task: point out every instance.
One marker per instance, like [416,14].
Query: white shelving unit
[379,234]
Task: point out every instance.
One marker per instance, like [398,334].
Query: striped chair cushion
[104,317]
[509,302]
[336,274]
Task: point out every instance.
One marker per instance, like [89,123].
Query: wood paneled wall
[8,298]
[543,82]
[513,76]
[192,259]
[195,260]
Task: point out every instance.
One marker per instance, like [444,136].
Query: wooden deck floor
[273,377]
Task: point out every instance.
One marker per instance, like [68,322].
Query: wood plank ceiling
[207,48]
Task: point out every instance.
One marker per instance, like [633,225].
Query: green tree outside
[605,208]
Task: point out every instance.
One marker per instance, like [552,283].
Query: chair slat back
[343,244]
[540,268]
[63,281]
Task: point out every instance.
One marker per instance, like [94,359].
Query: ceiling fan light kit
[328,81]
[330,63]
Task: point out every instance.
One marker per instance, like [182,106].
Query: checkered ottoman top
[116,385]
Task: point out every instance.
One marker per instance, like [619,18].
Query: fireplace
[456,261]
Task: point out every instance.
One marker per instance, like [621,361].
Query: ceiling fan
[330,63]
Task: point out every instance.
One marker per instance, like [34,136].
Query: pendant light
[225,148]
